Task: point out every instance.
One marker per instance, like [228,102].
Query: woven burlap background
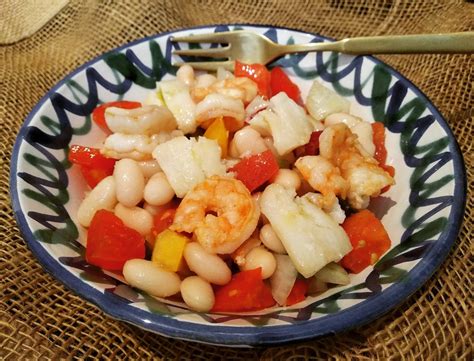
[40,318]
[22,18]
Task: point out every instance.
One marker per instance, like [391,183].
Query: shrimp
[185,73]
[240,88]
[204,80]
[220,211]
[365,177]
[362,129]
[219,105]
[335,210]
[324,177]
[239,254]
[138,147]
[146,120]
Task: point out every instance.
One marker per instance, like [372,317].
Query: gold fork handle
[394,44]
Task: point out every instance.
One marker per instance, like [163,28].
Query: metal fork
[249,47]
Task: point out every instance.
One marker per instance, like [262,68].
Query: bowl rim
[356,315]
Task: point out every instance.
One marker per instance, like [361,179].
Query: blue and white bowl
[422,212]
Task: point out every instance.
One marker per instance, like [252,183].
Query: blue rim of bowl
[357,315]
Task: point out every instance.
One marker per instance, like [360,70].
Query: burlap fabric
[40,318]
[20,19]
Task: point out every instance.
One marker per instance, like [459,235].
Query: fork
[249,47]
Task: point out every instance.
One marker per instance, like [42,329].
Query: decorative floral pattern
[422,212]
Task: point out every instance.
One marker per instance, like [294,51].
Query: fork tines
[223,37]
[220,52]
[209,52]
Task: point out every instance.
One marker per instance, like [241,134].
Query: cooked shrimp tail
[147,120]
[220,212]
[365,177]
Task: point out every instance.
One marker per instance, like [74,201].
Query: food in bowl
[243,195]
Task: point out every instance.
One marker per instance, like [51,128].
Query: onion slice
[283,278]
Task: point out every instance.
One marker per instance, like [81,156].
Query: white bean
[185,73]
[260,257]
[197,293]
[287,178]
[240,253]
[271,240]
[150,278]
[130,182]
[233,151]
[248,141]
[149,167]
[136,218]
[206,265]
[101,197]
[158,190]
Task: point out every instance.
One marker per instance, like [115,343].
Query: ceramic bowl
[422,212]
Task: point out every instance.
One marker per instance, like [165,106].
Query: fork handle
[394,44]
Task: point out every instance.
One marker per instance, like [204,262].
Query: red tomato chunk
[258,73]
[298,292]
[311,148]
[280,82]
[369,240]
[246,291]
[380,155]
[378,130]
[162,220]
[110,243]
[255,170]
[94,166]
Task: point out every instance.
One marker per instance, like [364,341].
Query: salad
[231,193]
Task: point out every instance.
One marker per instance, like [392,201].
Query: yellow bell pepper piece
[218,131]
[168,250]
